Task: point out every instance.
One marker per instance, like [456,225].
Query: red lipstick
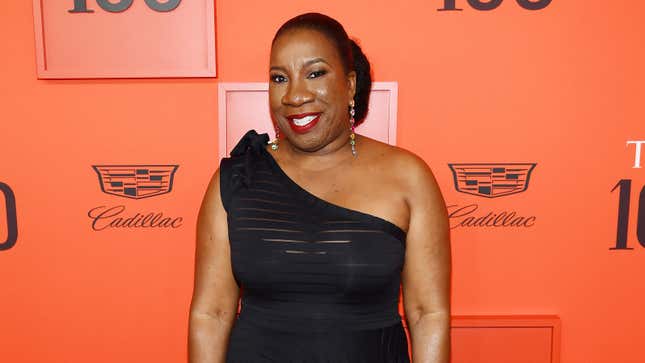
[304,128]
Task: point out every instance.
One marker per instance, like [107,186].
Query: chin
[309,142]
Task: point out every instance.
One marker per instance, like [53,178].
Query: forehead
[299,45]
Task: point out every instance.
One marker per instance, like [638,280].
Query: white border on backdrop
[225,89]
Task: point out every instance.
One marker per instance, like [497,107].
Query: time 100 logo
[451,5]
[80,6]
[10,209]
[624,201]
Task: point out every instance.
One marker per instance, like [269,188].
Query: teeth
[305,120]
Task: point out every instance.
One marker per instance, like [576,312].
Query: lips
[303,122]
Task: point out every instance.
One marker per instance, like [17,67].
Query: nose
[297,94]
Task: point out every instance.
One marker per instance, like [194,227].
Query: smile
[305,120]
[302,123]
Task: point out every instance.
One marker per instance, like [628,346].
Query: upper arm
[215,290]
[427,267]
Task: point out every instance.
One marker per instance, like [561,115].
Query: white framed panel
[245,106]
[83,39]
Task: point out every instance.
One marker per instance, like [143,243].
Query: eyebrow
[307,63]
[315,60]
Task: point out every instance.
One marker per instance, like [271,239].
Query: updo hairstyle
[350,53]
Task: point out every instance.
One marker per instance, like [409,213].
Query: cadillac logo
[136,181]
[492,180]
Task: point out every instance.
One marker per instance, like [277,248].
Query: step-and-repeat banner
[529,113]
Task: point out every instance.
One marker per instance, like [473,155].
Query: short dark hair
[351,55]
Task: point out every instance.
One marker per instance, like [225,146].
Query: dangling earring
[274,143]
[352,136]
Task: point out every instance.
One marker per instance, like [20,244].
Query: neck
[325,157]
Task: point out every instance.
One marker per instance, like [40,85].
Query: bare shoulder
[410,171]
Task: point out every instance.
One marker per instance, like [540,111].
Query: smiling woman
[313,59]
[320,227]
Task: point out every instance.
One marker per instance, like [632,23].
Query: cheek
[331,95]
[326,94]
[334,91]
[322,92]
[275,98]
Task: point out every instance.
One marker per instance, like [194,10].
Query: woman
[320,226]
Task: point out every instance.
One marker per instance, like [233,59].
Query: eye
[316,74]
[277,78]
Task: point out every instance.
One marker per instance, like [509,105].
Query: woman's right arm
[215,293]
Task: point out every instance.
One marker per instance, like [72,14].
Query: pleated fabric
[320,282]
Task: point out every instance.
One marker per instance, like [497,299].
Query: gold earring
[352,136]
[274,143]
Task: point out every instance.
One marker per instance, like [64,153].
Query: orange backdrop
[559,87]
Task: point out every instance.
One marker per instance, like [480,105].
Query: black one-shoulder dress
[320,282]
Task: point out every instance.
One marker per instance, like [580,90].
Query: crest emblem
[136,181]
[491,180]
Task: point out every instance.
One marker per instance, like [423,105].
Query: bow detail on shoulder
[251,140]
[249,147]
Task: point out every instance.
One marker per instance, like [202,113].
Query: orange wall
[560,87]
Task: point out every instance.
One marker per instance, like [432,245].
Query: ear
[351,83]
